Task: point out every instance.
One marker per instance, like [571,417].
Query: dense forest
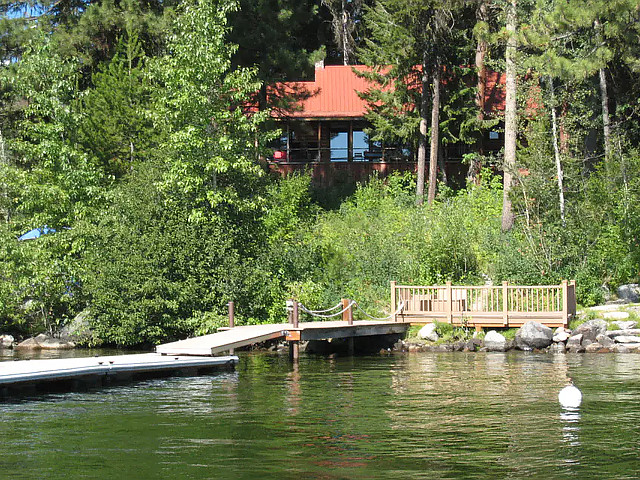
[125,132]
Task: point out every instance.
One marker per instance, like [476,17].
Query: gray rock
[561,335]
[575,348]
[6,341]
[495,342]
[428,332]
[574,340]
[629,292]
[605,340]
[627,339]
[591,329]
[473,345]
[78,330]
[533,335]
[625,325]
[615,315]
[557,348]
[620,349]
[29,344]
[586,342]
[593,347]
[629,331]
[45,342]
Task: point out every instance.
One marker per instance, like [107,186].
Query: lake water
[429,415]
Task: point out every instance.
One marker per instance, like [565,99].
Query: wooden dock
[247,335]
[487,306]
[100,370]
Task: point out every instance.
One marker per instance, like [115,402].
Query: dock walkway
[246,335]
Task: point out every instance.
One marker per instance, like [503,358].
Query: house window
[339,143]
[360,145]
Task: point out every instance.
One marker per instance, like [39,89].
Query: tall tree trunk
[442,165]
[481,72]
[606,125]
[422,134]
[556,151]
[435,132]
[4,200]
[604,100]
[510,116]
[345,34]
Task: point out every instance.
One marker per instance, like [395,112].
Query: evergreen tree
[408,45]
[280,38]
[116,119]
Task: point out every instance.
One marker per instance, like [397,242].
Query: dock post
[393,301]
[347,314]
[565,302]
[231,315]
[232,321]
[294,345]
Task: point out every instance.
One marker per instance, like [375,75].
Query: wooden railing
[486,306]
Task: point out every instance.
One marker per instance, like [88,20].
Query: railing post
[505,304]
[565,303]
[232,322]
[449,304]
[294,345]
[231,315]
[295,314]
[347,314]
[393,301]
[572,299]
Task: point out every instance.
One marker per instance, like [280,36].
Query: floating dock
[70,372]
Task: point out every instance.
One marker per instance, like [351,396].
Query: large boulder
[629,292]
[533,335]
[495,342]
[78,330]
[428,332]
[605,340]
[6,341]
[45,342]
[591,329]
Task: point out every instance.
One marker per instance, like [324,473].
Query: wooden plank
[222,341]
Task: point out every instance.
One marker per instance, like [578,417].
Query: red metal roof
[334,94]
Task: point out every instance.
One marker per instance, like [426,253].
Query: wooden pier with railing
[486,306]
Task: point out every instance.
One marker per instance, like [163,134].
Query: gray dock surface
[23,372]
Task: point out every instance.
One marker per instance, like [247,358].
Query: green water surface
[429,415]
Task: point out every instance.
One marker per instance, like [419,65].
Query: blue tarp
[36,233]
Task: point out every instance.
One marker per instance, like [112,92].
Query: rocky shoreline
[592,336]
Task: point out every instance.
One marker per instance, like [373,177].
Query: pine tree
[408,46]
[116,125]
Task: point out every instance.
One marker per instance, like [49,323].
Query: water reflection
[433,416]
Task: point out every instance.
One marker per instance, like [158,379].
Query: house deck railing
[486,306]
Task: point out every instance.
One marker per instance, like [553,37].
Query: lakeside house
[324,129]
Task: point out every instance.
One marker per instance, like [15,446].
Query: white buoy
[570,397]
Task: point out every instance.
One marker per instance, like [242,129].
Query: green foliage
[39,289]
[116,122]
[210,138]
[153,275]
